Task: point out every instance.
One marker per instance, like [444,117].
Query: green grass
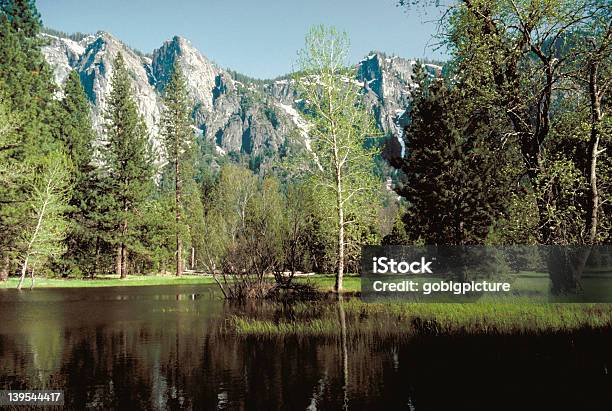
[323,281]
[510,315]
[405,319]
[109,281]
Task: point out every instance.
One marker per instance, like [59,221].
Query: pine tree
[177,133]
[10,181]
[28,79]
[26,90]
[23,16]
[129,163]
[455,181]
[78,136]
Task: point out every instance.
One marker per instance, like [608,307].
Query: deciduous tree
[338,162]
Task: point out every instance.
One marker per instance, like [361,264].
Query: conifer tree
[455,183]
[26,91]
[78,136]
[23,17]
[129,163]
[10,177]
[28,80]
[177,133]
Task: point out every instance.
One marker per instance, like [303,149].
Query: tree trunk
[96,260]
[179,255]
[124,264]
[593,211]
[4,270]
[340,206]
[32,277]
[179,240]
[118,262]
[24,269]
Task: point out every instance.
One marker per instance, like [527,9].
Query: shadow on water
[166,348]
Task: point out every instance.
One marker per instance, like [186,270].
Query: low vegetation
[407,319]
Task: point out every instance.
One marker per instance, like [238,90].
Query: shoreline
[324,281]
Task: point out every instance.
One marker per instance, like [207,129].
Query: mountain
[247,116]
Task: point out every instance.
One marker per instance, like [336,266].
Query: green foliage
[244,79]
[78,136]
[240,226]
[338,164]
[398,234]
[23,16]
[128,159]
[178,138]
[176,123]
[453,183]
[43,232]
[13,208]
[76,130]
[157,231]
[541,71]
[27,114]
[27,79]
[255,227]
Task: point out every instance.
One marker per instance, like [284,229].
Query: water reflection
[165,348]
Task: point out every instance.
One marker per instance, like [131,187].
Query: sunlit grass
[405,319]
[324,282]
[109,281]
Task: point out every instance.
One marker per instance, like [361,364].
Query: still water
[167,348]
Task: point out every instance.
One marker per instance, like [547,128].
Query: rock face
[95,69]
[254,118]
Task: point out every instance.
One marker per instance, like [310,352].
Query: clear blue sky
[259,38]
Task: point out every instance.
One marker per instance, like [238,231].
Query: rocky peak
[95,67]
[200,72]
[62,54]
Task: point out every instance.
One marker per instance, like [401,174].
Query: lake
[168,347]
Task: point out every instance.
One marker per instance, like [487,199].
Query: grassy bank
[324,281]
[110,281]
[511,316]
[405,319]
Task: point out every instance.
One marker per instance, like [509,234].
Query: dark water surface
[164,348]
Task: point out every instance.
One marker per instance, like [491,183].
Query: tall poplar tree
[340,166]
[129,163]
[177,133]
